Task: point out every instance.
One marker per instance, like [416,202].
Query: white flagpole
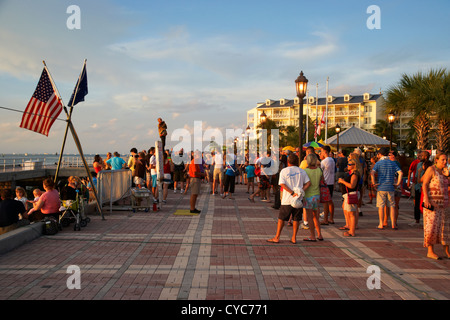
[326,113]
[307,115]
[317,110]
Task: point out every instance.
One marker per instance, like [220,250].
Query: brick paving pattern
[222,254]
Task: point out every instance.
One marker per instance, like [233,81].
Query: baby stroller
[73,211]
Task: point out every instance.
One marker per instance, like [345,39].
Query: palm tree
[423,94]
[382,128]
[437,96]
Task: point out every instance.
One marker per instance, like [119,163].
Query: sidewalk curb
[15,238]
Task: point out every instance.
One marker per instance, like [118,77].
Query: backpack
[50,226]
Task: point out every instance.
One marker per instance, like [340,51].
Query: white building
[362,111]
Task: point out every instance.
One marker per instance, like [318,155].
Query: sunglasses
[351,164]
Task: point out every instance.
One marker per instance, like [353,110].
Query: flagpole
[307,116]
[69,118]
[55,88]
[326,113]
[317,111]
[75,137]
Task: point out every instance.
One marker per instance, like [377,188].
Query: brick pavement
[222,254]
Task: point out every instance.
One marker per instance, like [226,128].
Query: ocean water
[8,161]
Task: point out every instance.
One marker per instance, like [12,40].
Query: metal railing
[20,163]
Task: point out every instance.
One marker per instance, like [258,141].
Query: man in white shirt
[218,174]
[328,167]
[291,178]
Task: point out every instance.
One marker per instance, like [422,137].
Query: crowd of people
[314,180]
[19,211]
[299,188]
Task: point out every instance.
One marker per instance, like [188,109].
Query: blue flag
[81,89]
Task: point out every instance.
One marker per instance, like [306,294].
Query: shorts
[312,203]
[167,178]
[195,186]
[218,175]
[264,182]
[287,210]
[178,176]
[331,188]
[138,181]
[385,198]
[251,180]
[349,207]
[154,180]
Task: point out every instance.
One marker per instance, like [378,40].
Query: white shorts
[167,178]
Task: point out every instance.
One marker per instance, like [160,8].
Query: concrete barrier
[15,238]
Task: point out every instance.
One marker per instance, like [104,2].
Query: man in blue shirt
[386,170]
[116,162]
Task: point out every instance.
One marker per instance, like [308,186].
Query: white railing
[20,163]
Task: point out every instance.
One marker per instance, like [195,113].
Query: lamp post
[301,84]
[248,139]
[391,119]
[338,129]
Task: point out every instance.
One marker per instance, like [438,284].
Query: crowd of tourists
[298,188]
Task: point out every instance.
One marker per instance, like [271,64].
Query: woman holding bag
[350,196]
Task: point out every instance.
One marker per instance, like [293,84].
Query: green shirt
[314,176]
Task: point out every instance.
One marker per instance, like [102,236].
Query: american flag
[318,126]
[44,107]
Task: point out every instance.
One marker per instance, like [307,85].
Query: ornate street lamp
[301,84]
[391,119]
[338,129]
[263,117]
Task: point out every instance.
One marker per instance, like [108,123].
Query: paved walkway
[222,254]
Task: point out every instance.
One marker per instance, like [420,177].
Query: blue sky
[208,61]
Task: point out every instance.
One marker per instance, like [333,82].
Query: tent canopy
[353,137]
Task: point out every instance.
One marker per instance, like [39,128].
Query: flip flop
[251,200]
[320,239]
[347,234]
[324,223]
[344,228]
[292,242]
[382,228]
[309,240]
[272,241]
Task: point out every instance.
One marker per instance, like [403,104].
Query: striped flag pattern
[44,107]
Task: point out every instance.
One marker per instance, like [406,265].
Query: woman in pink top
[49,202]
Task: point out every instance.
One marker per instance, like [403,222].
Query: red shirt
[412,168]
[195,170]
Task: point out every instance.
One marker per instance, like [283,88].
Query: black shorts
[331,188]
[264,182]
[287,210]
